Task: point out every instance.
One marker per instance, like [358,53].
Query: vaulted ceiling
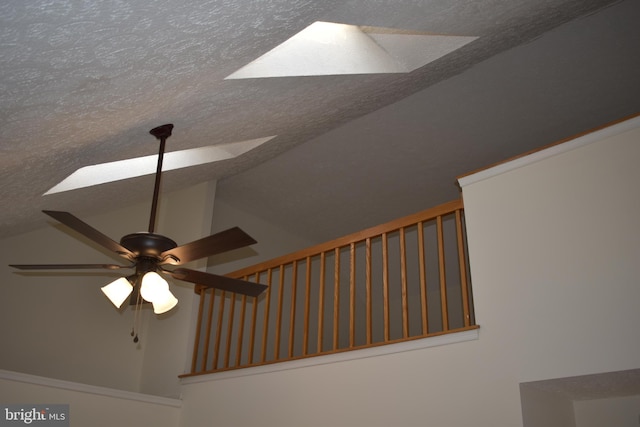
[82,83]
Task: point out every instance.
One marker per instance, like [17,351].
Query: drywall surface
[618,412]
[93,408]
[60,325]
[404,389]
[554,248]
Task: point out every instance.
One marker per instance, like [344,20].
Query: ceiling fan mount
[148,252]
[148,244]
[162,132]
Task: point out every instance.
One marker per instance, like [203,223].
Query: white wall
[61,326]
[91,406]
[554,249]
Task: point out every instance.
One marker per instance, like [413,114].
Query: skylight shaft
[130,168]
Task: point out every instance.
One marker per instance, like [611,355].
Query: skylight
[123,169]
[326,48]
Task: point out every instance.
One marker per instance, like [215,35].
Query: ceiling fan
[148,253]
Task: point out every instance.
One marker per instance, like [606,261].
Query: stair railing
[403,280]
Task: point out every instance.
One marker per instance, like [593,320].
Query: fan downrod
[162,133]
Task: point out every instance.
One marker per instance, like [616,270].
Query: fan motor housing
[147,244]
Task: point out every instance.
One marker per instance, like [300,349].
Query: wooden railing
[402,280]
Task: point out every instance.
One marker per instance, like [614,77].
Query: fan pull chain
[136,318]
[136,315]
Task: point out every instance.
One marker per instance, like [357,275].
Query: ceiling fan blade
[86,230]
[219,282]
[223,241]
[69,266]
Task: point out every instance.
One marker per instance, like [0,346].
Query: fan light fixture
[153,289]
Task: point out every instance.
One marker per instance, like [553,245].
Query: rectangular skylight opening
[139,166]
[326,48]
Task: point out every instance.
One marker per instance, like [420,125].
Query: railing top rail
[426,215]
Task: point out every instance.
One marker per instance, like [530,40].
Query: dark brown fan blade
[224,241]
[69,266]
[86,230]
[219,282]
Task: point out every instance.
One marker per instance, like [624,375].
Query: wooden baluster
[207,339]
[232,310]
[321,303]
[292,313]
[352,294]
[423,279]
[265,329]
[385,284]
[196,342]
[336,299]
[279,313]
[307,302]
[216,352]
[403,278]
[254,317]
[463,269]
[443,277]
[368,284]
[243,309]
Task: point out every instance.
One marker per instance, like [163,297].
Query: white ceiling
[83,82]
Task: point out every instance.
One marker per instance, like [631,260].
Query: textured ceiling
[82,82]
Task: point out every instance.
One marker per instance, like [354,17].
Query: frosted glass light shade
[156,290]
[118,291]
[165,302]
[153,287]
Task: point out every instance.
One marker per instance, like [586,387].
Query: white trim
[550,152]
[381,350]
[86,388]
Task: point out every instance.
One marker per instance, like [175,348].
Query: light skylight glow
[326,48]
[123,169]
